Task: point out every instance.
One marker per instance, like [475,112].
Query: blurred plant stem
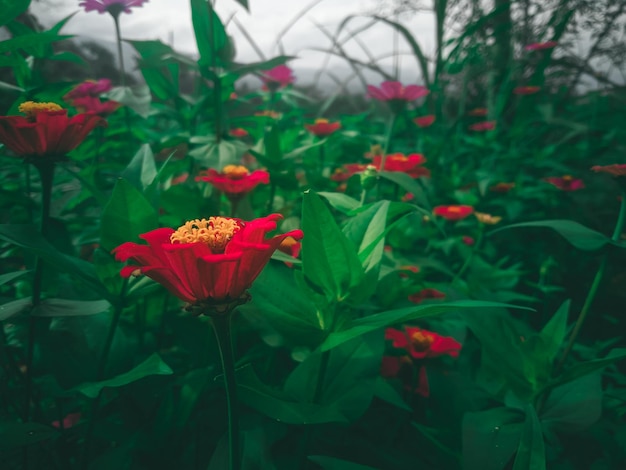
[619,225]
[222,328]
[469,258]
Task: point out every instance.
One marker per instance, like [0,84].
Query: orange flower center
[32,108]
[321,121]
[235,172]
[215,232]
[288,242]
[398,157]
[421,341]
[568,178]
[454,209]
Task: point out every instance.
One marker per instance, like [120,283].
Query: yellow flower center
[288,242]
[398,157]
[568,178]
[215,232]
[235,172]
[321,121]
[454,209]
[421,341]
[487,218]
[32,108]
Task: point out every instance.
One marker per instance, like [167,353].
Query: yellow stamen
[321,121]
[568,178]
[215,232]
[288,242]
[454,209]
[235,172]
[421,341]
[397,157]
[32,108]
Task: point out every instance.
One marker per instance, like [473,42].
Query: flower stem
[118,35]
[322,158]
[619,225]
[387,146]
[222,329]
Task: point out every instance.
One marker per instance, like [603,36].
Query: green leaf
[8,277]
[531,453]
[127,215]
[392,317]
[13,435]
[153,365]
[578,235]
[553,334]
[10,9]
[329,259]
[70,308]
[409,184]
[340,201]
[243,3]
[332,463]
[491,437]
[217,155]
[15,307]
[210,34]
[29,40]
[584,368]
[138,98]
[141,171]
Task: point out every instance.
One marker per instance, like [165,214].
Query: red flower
[469,241]
[210,261]
[405,270]
[502,187]
[539,46]
[278,77]
[91,88]
[291,247]
[238,132]
[69,421]
[90,104]
[235,180]
[323,127]
[349,169]
[566,183]
[483,126]
[526,90]
[453,212]
[424,121]
[615,169]
[46,130]
[409,164]
[426,294]
[180,179]
[479,112]
[396,91]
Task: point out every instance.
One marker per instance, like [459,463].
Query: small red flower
[278,77]
[405,270]
[453,212]
[502,187]
[410,164]
[396,91]
[91,88]
[69,421]
[238,132]
[526,90]
[349,169]
[323,127]
[615,169]
[90,104]
[478,112]
[566,183]
[483,126]
[180,179]
[46,131]
[235,181]
[408,197]
[540,46]
[424,121]
[426,294]
[469,241]
[208,262]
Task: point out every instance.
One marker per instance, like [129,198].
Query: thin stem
[322,158]
[387,141]
[118,35]
[222,329]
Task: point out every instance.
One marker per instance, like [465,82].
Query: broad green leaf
[8,277]
[217,156]
[408,184]
[9,9]
[531,453]
[210,34]
[332,463]
[329,259]
[141,171]
[14,434]
[127,215]
[70,308]
[29,40]
[138,98]
[578,235]
[15,307]
[387,392]
[491,437]
[153,365]
[340,201]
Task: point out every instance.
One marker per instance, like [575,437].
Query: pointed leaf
[15,307]
[9,9]
[141,171]
[70,308]
[8,277]
[531,454]
[554,332]
[584,368]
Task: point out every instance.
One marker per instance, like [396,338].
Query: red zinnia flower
[615,169]
[238,132]
[453,212]
[396,91]
[502,187]
[211,262]
[469,241]
[538,46]
[480,112]
[69,421]
[90,88]
[102,6]
[526,90]
[323,127]
[483,126]
[424,121]
[425,294]
[278,77]
[235,181]
[46,130]
[566,183]
[90,104]
[409,164]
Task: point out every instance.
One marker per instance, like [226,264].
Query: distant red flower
[483,126]
[410,164]
[424,121]
[396,91]
[478,112]
[238,132]
[233,96]
[469,241]
[539,46]
[453,212]
[278,77]
[615,169]
[91,88]
[235,181]
[207,263]
[179,179]
[103,6]
[349,169]
[69,421]
[566,183]
[426,294]
[526,90]
[502,187]
[408,197]
[90,104]
[405,270]
[46,131]
[323,127]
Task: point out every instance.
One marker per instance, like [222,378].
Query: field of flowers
[196,275]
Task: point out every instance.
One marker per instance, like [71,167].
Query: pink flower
[539,46]
[278,77]
[396,91]
[424,121]
[91,88]
[111,6]
[469,241]
[566,183]
[483,126]
[89,104]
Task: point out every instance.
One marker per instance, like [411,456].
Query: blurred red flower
[396,91]
[469,241]
[323,127]
[103,6]
[91,88]
[278,77]
[410,164]
[615,169]
[453,212]
[526,90]
[46,130]
[539,46]
[479,112]
[483,126]
[502,187]
[425,294]
[238,132]
[207,263]
[424,121]
[235,181]
[566,183]
[92,104]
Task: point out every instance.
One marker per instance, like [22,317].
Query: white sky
[171,19]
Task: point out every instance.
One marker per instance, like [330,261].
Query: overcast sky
[170,22]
